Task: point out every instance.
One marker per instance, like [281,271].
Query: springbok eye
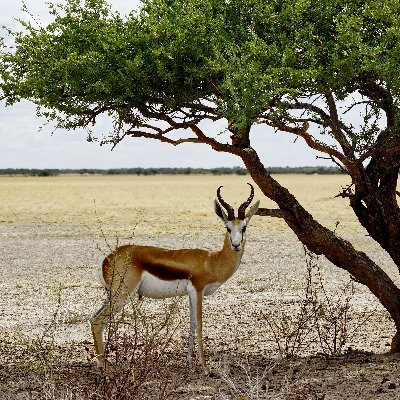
[244,229]
[228,229]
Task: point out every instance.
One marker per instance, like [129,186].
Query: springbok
[160,273]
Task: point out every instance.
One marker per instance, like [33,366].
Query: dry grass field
[257,339]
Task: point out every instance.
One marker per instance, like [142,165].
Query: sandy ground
[51,235]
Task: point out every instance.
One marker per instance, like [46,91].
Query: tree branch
[160,134]
[347,191]
[268,212]
[310,140]
[160,137]
[380,151]
[382,98]
[340,166]
[336,124]
[357,103]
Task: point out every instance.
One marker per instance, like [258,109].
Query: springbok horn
[228,208]
[242,208]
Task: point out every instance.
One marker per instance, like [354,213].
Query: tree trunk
[321,240]
[375,204]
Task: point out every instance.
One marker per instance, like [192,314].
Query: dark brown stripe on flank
[164,272]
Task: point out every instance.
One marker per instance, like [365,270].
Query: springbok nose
[236,247]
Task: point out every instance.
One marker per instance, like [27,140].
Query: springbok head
[236,227]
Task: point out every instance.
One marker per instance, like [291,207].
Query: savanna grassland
[54,229]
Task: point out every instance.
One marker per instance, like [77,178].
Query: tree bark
[375,204]
[321,240]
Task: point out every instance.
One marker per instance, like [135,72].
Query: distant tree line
[166,171]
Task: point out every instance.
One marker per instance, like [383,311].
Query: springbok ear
[253,209]
[220,212]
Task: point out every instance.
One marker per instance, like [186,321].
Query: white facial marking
[236,230]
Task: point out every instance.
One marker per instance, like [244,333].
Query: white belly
[155,288]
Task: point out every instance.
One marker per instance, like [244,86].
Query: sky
[25,141]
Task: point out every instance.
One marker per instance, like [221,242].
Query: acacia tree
[299,66]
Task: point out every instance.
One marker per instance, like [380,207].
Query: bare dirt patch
[53,230]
